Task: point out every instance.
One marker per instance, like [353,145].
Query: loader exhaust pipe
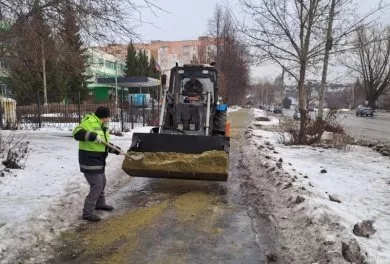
[208,113]
[161,119]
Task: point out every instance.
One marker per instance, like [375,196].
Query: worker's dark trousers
[97,182]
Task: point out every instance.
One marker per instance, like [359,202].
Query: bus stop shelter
[126,86]
[131,82]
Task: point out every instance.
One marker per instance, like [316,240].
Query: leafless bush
[332,124]
[289,132]
[13,150]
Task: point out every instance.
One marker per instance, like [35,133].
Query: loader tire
[168,120]
[219,123]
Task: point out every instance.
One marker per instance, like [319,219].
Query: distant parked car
[277,110]
[362,110]
[297,115]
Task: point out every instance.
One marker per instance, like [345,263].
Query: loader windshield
[196,85]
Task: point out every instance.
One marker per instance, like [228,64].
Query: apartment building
[168,53]
[103,65]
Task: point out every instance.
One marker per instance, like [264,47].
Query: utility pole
[282,91]
[44,73]
[116,86]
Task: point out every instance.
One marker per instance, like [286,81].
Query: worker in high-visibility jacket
[91,133]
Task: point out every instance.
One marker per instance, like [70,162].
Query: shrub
[13,150]
[289,131]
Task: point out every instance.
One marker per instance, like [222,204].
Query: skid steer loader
[191,140]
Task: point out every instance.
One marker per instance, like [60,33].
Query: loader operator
[193,89]
[90,133]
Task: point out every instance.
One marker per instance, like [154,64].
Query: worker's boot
[104,207]
[92,218]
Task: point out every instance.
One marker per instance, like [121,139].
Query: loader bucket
[175,156]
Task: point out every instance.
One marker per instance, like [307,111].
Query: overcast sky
[188,19]
[184,19]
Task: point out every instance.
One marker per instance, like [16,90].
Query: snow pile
[359,177]
[233,108]
[47,196]
[262,119]
[60,127]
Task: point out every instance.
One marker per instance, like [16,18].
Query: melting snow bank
[233,108]
[299,182]
[261,118]
[47,196]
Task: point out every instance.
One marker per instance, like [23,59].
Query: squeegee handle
[115,148]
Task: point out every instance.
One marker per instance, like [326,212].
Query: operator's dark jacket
[92,155]
[193,86]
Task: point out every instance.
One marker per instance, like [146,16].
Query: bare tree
[283,33]
[297,35]
[31,56]
[357,94]
[328,47]
[339,11]
[371,60]
[99,19]
[215,29]
[231,57]
[338,99]
[264,92]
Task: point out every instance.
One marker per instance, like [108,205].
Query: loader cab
[187,111]
[206,76]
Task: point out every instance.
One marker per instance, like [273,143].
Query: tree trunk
[302,103]
[282,93]
[371,98]
[44,73]
[328,47]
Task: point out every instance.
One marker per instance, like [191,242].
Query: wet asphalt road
[174,221]
[374,128]
[368,128]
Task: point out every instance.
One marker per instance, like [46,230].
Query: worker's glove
[95,138]
[119,151]
[98,139]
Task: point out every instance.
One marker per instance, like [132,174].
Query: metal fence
[124,115]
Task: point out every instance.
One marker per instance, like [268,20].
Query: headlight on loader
[192,126]
[180,126]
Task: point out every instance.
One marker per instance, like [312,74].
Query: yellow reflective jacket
[92,155]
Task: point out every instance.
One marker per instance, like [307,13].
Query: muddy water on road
[172,221]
